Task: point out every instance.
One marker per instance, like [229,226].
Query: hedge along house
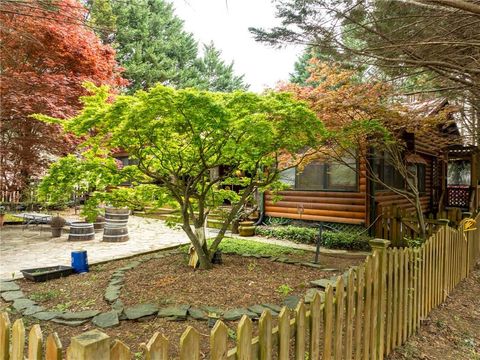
[344,195]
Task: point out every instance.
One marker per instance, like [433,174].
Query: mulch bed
[452,331]
[239,282]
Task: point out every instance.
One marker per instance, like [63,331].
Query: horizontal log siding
[389,198]
[329,206]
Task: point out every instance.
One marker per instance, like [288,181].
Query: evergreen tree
[153,47]
[215,75]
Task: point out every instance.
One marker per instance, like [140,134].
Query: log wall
[329,206]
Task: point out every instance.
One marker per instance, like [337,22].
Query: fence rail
[368,313]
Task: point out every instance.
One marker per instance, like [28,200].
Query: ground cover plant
[308,235]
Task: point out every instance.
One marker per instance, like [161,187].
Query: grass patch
[237,246]
[10,218]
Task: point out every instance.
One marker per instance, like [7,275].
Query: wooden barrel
[115,229]
[115,233]
[98,225]
[81,231]
[116,216]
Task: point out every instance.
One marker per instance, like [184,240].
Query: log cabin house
[342,194]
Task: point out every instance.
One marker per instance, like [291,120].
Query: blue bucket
[80,261]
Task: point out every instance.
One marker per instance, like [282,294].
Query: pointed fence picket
[368,313]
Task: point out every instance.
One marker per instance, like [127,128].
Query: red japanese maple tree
[46,53]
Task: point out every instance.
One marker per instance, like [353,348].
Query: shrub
[298,234]
[344,240]
[306,235]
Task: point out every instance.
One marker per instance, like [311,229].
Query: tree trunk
[420,218]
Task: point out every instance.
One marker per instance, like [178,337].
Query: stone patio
[34,247]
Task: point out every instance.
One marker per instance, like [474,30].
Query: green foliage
[214,74]
[414,242]
[44,295]
[175,138]
[284,290]
[240,247]
[153,47]
[345,241]
[307,235]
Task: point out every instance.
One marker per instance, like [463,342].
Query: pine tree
[152,45]
[215,75]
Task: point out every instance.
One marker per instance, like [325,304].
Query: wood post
[92,345]
[379,247]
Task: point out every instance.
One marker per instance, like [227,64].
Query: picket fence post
[379,247]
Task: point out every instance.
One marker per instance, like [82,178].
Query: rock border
[10,291]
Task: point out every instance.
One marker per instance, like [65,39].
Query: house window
[388,175]
[459,172]
[337,176]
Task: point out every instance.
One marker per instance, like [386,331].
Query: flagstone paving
[34,247]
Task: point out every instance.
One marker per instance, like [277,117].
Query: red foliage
[47,53]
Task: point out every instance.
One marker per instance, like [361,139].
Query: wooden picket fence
[368,313]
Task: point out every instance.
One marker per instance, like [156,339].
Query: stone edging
[10,291]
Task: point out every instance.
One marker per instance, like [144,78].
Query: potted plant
[2,215]
[56,224]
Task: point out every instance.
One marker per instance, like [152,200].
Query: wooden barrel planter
[114,216]
[115,233]
[99,224]
[115,229]
[81,231]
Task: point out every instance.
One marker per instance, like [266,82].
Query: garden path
[34,247]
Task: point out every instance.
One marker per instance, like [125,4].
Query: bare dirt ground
[452,331]
[239,282]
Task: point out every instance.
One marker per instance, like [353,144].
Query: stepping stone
[116,281]
[330,269]
[274,258]
[112,293]
[118,306]
[311,293]
[174,313]
[236,314]
[118,273]
[12,295]
[273,307]
[70,322]
[80,315]
[6,280]
[291,262]
[22,303]
[323,283]
[258,309]
[197,314]
[139,311]
[8,286]
[212,309]
[291,301]
[106,320]
[313,265]
[46,315]
[282,259]
[33,310]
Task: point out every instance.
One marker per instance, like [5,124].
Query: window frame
[324,179]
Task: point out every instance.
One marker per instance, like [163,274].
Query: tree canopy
[154,47]
[422,47]
[176,138]
[46,55]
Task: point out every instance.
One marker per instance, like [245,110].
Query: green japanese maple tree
[178,137]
